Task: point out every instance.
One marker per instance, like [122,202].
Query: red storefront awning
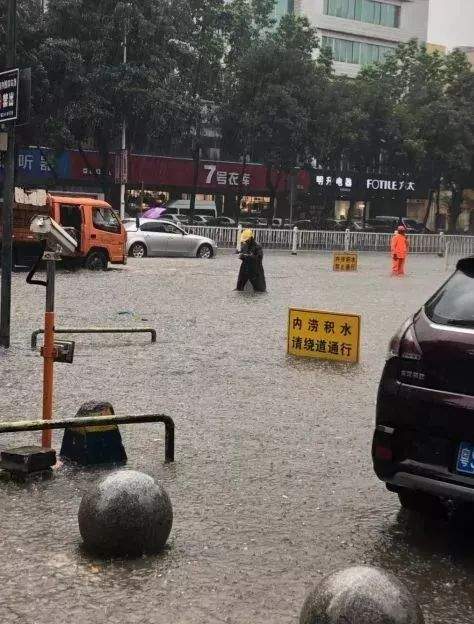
[178,173]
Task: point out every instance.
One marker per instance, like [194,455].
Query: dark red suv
[423,446]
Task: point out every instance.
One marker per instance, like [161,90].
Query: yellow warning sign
[324,335]
[345,261]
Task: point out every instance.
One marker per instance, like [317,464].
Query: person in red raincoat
[399,248]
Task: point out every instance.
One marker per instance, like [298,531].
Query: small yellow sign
[345,261]
[324,335]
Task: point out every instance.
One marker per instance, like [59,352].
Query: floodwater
[272,486]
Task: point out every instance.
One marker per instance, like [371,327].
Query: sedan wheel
[205,251]
[137,250]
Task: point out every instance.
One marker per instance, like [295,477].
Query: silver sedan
[163,238]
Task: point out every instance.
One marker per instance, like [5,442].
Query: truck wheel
[422,503]
[96,261]
[137,250]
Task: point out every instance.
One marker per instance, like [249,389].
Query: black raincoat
[252,267]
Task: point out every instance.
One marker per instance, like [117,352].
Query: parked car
[304,224]
[177,219]
[198,220]
[335,225]
[253,222]
[390,224]
[221,222]
[183,219]
[423,445]
[201,207]
[162,238]
[360,226]
[415,227]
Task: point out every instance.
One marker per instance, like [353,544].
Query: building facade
[360,32]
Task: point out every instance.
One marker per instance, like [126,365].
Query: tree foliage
[274,89]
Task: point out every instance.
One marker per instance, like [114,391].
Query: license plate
[465,463]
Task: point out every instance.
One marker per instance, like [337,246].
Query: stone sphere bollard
[361,595]
[125,513]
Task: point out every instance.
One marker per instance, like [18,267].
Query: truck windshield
[105,219]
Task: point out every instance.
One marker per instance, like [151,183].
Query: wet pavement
[273,484]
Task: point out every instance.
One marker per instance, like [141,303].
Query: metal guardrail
[93,421]
[95,330]
[458,247]
[322,240]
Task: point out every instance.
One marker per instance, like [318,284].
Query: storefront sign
[345,261]
[324,335]
[342,182]
[359,185]
[225,178]
[36,166]
[390,185]
[9,85]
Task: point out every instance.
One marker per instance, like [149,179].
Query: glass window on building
[370,11]
[282,7]
[355,52]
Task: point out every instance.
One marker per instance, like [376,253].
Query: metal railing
[95,330]
[458,247]
[93,421]
[321,240]
[224,236]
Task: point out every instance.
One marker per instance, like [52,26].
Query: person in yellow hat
[251,268]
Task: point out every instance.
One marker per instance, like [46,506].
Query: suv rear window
[453,304]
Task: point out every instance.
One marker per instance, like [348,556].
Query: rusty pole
[48,352]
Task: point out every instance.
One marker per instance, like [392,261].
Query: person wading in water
[252,268]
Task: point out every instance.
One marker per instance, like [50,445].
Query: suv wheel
[422,503]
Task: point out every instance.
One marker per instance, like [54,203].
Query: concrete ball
[361,595]
[125,513]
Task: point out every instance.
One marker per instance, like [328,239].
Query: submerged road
[273,485]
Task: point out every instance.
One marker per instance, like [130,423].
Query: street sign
[121,166]
[324,335]
[345,261]
[9,86]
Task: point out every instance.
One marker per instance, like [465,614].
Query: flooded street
[273,484]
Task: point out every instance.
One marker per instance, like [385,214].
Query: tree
[266,106]
[419,118]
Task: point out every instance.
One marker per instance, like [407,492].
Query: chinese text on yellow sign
[324,335]
[345,261]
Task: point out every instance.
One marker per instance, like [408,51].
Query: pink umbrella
[153,213]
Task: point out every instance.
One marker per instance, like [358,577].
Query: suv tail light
[395,343]
[409,347]
[411,359]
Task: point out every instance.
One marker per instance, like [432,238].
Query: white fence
[458,247]
[450,247]
[329,241]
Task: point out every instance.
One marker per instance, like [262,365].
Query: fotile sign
[324,335]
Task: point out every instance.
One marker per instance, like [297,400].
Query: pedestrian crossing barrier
[451,247]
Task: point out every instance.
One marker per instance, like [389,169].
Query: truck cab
[100,235]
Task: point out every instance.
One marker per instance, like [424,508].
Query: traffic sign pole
[8,193]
